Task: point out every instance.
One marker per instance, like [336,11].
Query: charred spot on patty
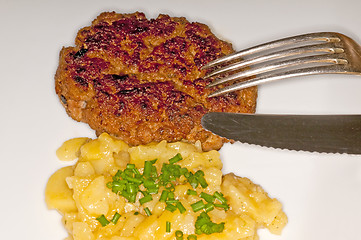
[80,53]
[141,80]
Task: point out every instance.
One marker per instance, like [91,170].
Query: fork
[307,54]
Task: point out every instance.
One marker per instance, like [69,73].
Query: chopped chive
[180,206]
[191,192]
[132,188]
[192,237]
[147,168]
[209,207]
[129,182]
[116,177]
[170,195]
[171,207]
[136,172]
[153,190]
[176,158]
[130,166]
[220,197]
[103,220]
[147,211]
[224,206]
[115,218]
[192,179]
[126,173]
[199,173]
[145,193]
[183,171]
[200,177]
[207,228]
[194,183]
[202,220]
[205,225]
[125,194]
[163,196]
[149,183]
[198,206]
[145,199]
[217,227]
[178,235]
[202,181]
[154,172]
[209,198]
[167,226]
[133,179]
[171,201]
[132,198]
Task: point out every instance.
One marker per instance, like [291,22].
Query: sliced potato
[70,149]
[57,193]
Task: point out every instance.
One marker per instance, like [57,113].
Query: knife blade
[313,133]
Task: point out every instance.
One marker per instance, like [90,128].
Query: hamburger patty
[141,80]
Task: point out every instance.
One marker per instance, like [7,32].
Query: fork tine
[273,77]
[322,36]
[319,59]
[318,48]
[343,58]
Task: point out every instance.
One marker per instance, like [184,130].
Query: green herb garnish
[129,182]
[206,226]
[178,235]
[103,220]
[192,237]
[167,226]
[115,218]
[147,211]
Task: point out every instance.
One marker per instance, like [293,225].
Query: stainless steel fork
[308,54]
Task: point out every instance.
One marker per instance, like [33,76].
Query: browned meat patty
[141,80]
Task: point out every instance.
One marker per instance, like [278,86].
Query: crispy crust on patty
[140,79]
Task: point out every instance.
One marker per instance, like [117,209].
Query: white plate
[321,193]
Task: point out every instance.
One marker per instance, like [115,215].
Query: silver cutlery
[308,54]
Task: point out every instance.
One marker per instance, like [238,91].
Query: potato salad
[155,191]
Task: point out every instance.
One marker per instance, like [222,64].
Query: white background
[321,193]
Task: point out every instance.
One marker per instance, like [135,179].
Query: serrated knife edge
[312,133]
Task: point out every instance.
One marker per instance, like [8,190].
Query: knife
[313,133]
